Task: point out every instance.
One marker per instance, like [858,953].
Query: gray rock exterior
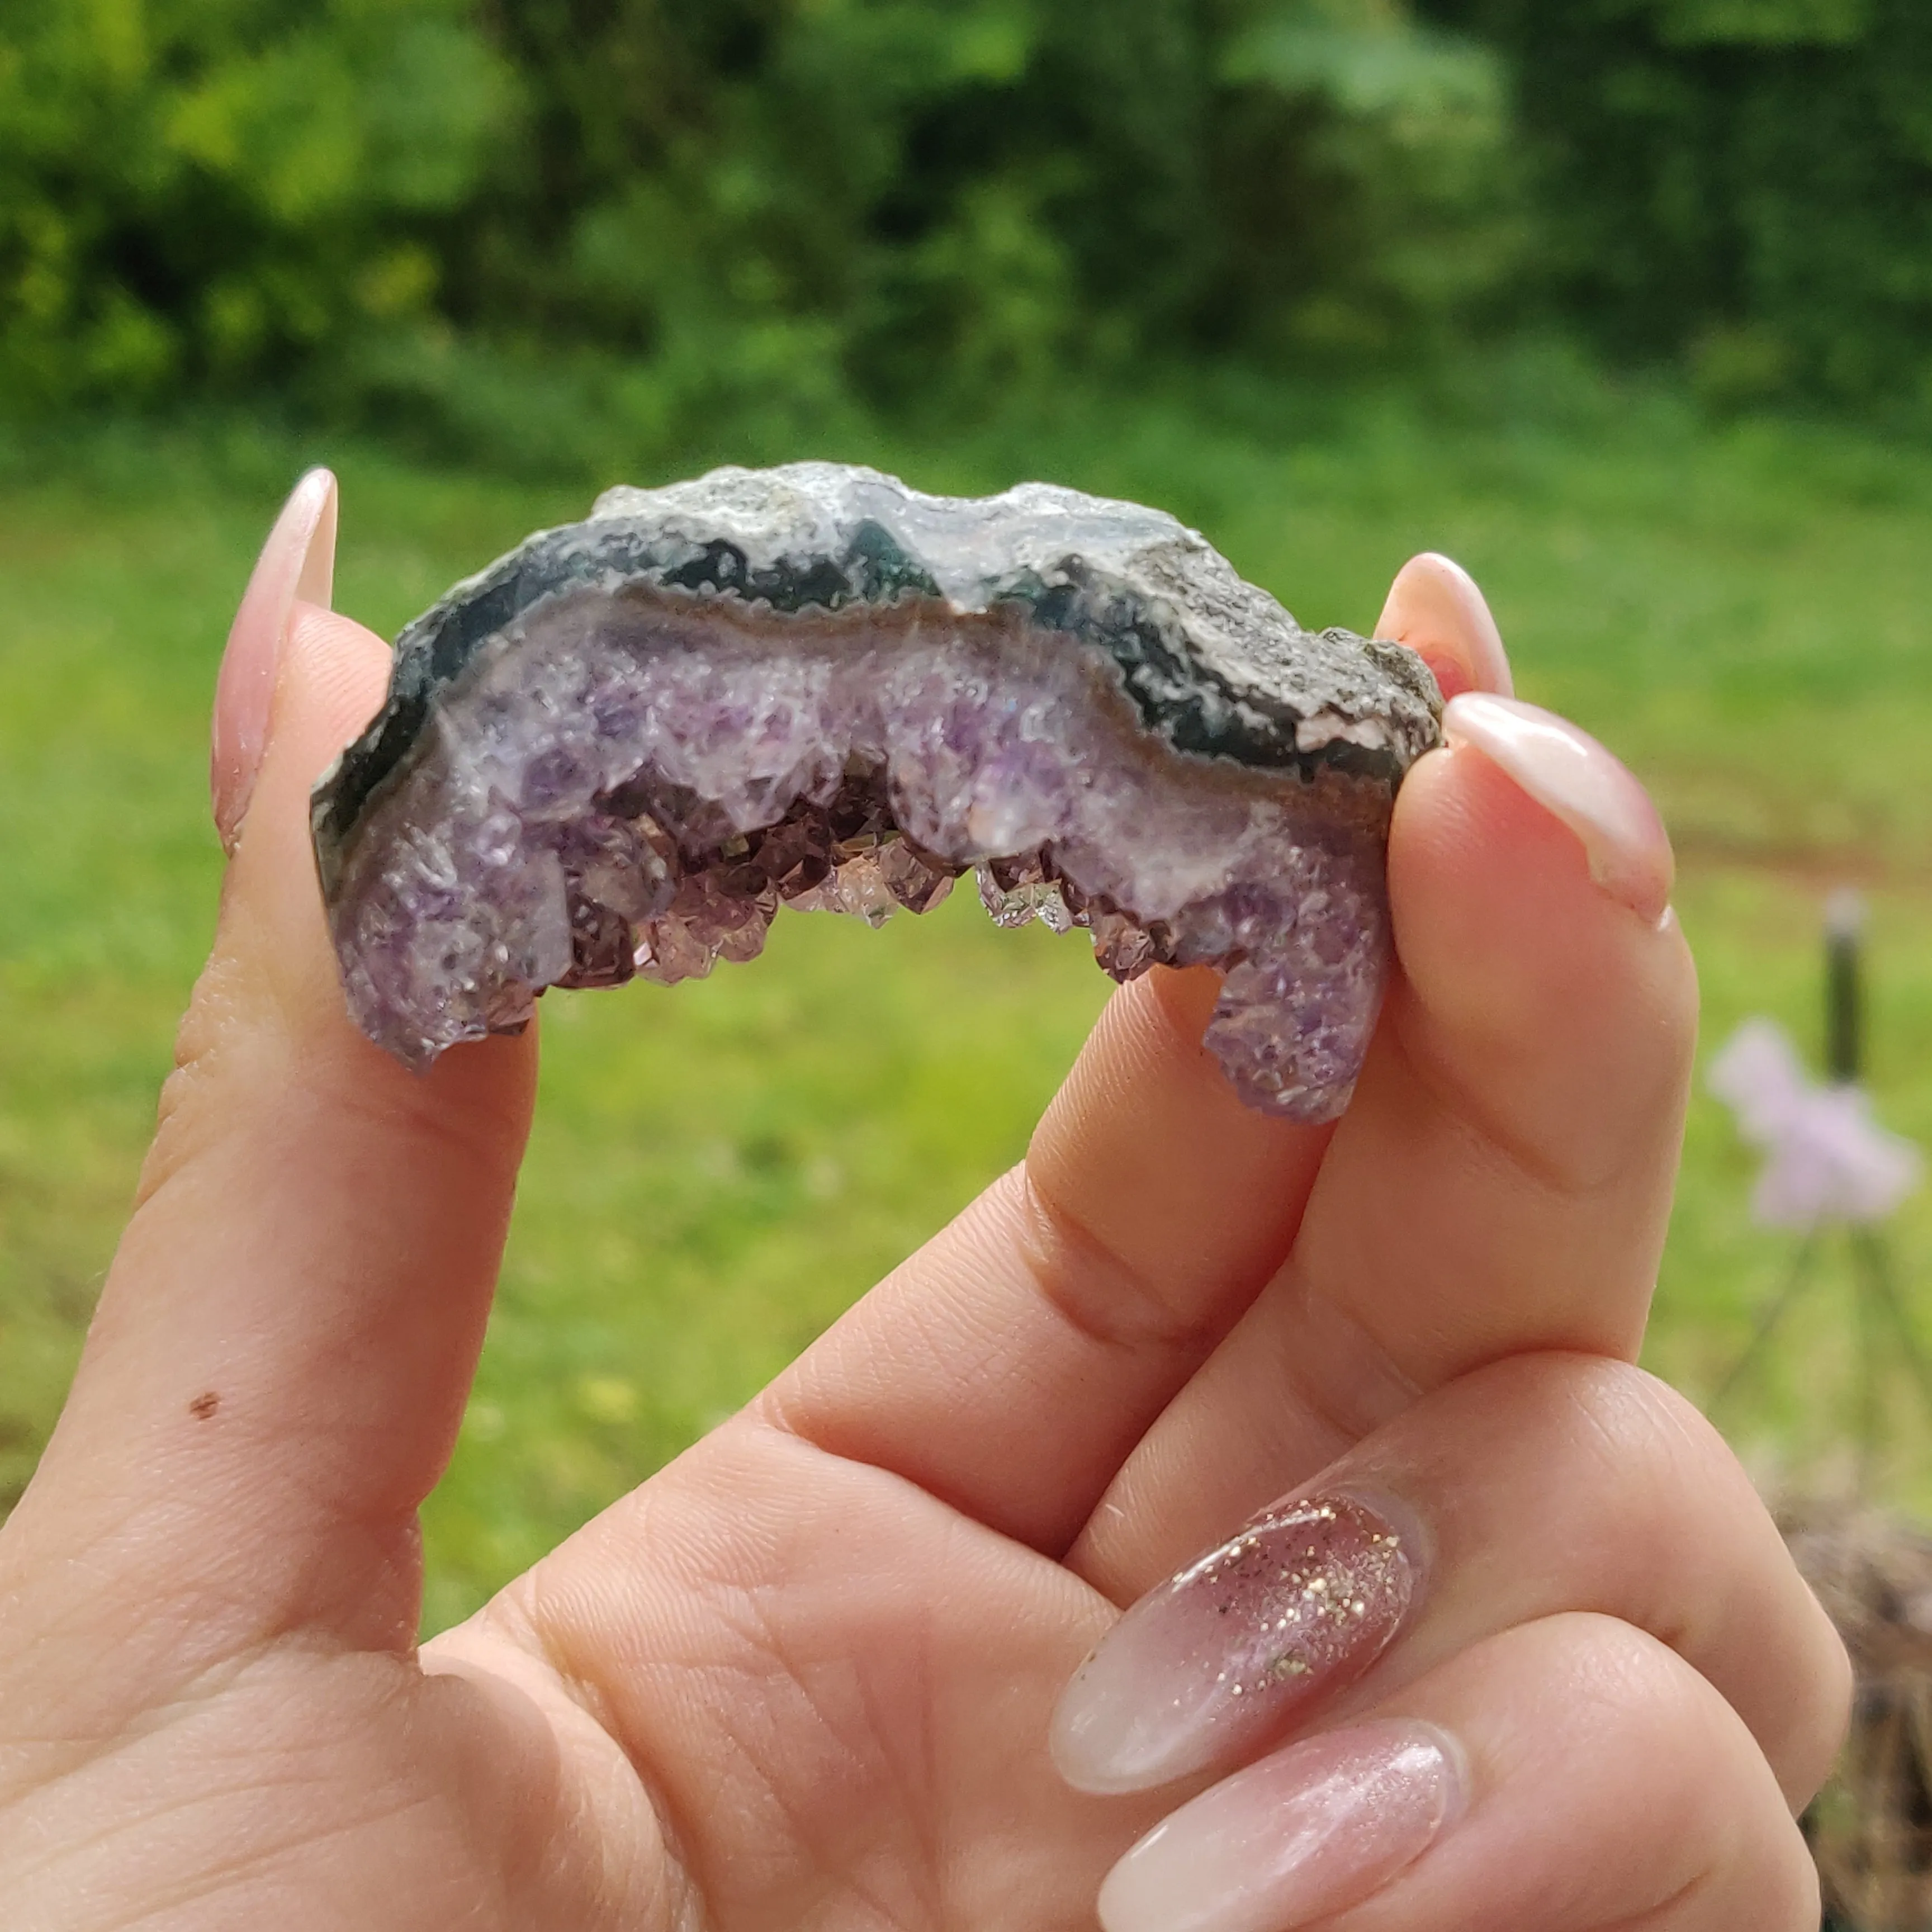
[621,747]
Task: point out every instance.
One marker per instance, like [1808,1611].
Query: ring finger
[1571,1775]
[1544,1485]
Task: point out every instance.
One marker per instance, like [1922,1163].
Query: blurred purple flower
[1828,1160]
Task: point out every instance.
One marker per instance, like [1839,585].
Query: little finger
[1571,1775]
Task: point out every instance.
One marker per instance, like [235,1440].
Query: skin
[802,1678]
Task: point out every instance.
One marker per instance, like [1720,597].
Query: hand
[809,1675]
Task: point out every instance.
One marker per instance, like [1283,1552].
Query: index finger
[276,1371]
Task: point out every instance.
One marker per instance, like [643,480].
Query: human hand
[807,1675]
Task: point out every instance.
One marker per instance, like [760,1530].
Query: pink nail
[1573,778]
[298,561]
[1435,609]
[1297,1838]
[1221,1659]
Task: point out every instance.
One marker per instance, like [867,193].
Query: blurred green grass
[717,1172]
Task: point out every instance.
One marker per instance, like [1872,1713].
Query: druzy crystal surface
[620,751]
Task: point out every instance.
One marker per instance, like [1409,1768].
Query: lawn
[717,1171]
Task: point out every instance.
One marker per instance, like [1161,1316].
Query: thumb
[274,1378]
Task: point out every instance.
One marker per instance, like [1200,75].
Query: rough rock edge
[1213,664]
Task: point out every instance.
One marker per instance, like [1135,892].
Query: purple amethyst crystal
[618,752]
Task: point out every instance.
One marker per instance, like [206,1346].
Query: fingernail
[1435,609]
[1573,778]
[298,561]
[1306,1833]
[1221,1659]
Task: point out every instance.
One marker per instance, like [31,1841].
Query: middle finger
[1502,1180]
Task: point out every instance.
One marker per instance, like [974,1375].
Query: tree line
[645,213]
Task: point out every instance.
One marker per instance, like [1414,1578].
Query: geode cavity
[620,750]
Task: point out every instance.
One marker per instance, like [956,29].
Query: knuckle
[1762,1875]
[1708,1786]
[1093,1286]
[1774,1880]
[1642,1426]
[1616,1432]
[205,1042]
[1820,1717]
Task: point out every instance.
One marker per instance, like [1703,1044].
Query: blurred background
[1626,304]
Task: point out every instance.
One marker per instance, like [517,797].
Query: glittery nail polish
[1302,1835]
[1223,1658]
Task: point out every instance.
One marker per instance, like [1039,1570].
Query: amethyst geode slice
[618,752]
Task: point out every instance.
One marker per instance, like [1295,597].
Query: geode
[620,749]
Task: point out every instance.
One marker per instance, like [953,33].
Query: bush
[637,214]
[1746,184]
[206,194]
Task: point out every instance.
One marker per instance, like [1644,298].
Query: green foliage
[637,217]
[203,194]
[966,199]
[562,234]
[1746,183]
